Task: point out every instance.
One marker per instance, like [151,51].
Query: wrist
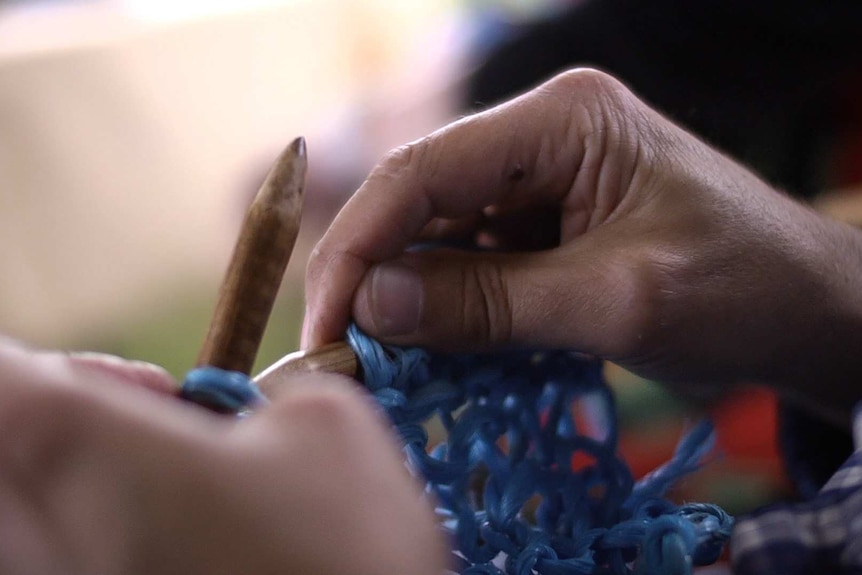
[820,367]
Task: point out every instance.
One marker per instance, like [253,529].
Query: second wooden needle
[336,357]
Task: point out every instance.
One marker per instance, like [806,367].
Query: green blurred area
[172,335]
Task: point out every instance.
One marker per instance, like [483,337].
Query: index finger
[525,151]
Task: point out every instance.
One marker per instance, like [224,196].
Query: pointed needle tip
[288,171]
[298,146]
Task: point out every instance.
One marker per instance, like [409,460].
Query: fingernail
[139,373]
[397,297]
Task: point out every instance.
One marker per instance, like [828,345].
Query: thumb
[468,301]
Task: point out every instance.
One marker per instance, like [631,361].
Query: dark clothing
[761,80]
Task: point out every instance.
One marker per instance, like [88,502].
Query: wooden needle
[331,358]
[256,269]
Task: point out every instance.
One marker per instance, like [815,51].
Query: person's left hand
[98,476]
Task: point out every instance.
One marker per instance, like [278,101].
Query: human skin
[103,470]
[672,260]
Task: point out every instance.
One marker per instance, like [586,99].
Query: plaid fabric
[822,535]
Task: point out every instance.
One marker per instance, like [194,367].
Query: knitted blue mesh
[528,479]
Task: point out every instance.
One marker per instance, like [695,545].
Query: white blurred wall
[126,136]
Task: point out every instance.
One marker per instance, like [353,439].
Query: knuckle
[395,161]
[319,264]
[638,309]
[323,401]
[617,131]
[329,404]
[487,312]
[580,82]
[323,419]
[607,103]
[415,162]
[316,258]
[406,157]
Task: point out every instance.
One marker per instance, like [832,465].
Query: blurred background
[133,134]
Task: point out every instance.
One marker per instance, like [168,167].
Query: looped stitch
[229,391]
[528,480]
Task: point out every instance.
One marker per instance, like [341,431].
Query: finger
[328,423]
[37,383]
[318,399]
[138,373]
[526,151]
[456,301]
[54,415]
[20,363]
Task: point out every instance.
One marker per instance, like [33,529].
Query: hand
[99,476]
[672,260]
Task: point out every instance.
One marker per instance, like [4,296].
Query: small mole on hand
[517,174]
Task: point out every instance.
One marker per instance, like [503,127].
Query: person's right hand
[673,260]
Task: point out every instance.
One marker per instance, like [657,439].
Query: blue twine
[506,483]
[227,391]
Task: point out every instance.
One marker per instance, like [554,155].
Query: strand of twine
[528,480]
